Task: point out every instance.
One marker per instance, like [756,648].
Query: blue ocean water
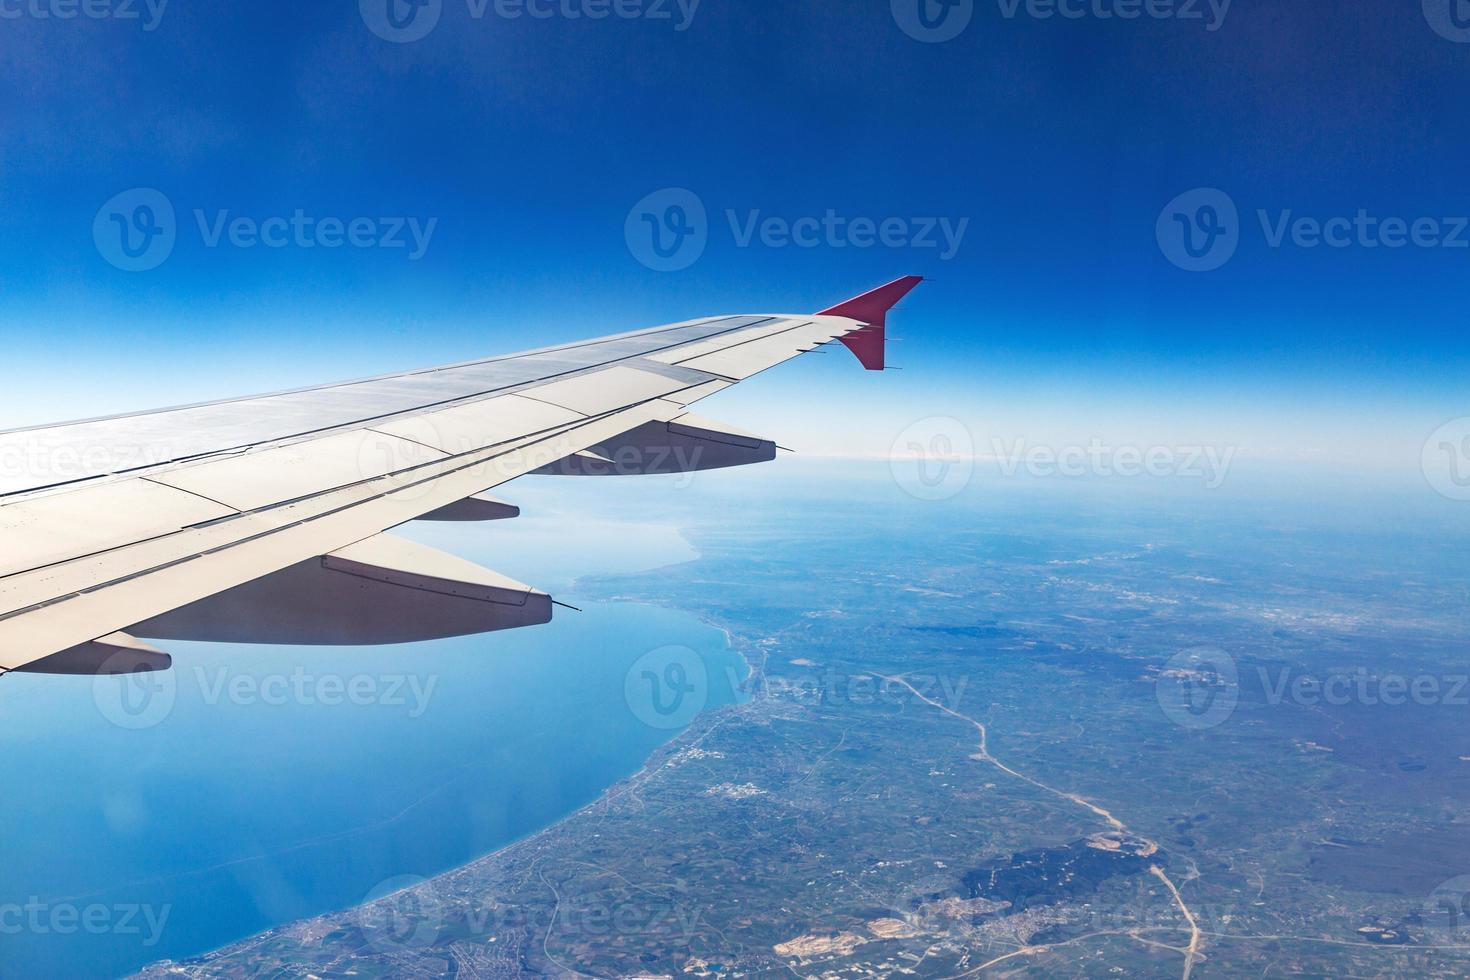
[265,784]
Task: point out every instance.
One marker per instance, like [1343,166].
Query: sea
[252,786]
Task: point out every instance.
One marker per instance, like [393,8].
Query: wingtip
[871,308]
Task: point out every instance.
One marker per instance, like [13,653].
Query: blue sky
[1054,142]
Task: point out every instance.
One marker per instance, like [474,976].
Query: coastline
[751,657]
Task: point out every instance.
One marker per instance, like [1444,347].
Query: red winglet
[872,308]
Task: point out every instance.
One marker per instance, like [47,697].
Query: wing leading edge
[263,519]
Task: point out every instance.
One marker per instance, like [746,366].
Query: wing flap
[379,591]
[115,654]
[686,444]
[480,507]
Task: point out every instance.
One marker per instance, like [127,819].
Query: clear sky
[1050,146]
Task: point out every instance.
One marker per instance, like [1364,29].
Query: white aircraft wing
[262,520]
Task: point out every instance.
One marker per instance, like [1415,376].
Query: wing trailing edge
[118,653]
[686,444]
[480,507]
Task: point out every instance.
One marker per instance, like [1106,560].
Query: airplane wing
[263,520]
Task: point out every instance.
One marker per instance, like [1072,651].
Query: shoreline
[680,740]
